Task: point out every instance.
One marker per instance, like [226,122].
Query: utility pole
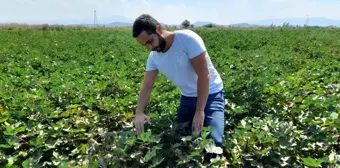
[307,21]
[95,22]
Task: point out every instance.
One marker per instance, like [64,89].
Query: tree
[210,25]
[286,24]
[186,23]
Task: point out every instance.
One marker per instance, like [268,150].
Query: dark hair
[144,22]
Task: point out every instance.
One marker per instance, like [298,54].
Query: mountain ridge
[122,21]
[313,21]
[294,21]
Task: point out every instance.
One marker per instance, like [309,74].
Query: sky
[169,12]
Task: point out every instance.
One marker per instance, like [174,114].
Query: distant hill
[313,21]
[243,25]
[118,24]
[122,21]
[202,23]
[113,21]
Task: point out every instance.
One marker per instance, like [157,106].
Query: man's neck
[169,38]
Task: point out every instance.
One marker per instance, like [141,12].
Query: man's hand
[139,122]
[198,121]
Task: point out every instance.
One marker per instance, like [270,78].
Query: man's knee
[217,136]
[216,122]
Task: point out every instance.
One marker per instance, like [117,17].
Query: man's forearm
[143,100]
[203,92]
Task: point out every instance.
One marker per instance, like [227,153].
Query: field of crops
[67,99]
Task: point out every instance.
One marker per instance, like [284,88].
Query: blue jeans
[214,114]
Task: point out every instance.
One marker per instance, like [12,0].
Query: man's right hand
[139,122]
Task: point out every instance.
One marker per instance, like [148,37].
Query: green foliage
[68,97]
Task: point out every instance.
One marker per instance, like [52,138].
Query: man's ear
[159,29]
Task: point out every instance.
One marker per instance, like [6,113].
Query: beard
[161,44]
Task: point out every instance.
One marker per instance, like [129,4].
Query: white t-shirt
[176,66]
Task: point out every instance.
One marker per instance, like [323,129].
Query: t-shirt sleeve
[193,44]
[150,65]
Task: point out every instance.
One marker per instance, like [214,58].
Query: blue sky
[170,12]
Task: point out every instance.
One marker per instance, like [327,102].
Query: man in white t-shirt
[182,57]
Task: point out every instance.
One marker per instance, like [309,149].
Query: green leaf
[9,131]
[74,106]
[27,163]
[269,139]
[157,162]
[3,118]
[83,148]
[312,162]
[148,137]
[38,142]
[118,152]
[77,130]
[150,154]
[4,146]
[64,164]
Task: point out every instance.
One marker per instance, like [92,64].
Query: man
[182,57]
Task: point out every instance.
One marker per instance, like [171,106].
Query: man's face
[154,42]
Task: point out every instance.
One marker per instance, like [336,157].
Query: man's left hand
[198,121]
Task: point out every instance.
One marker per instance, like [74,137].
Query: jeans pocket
[219,96]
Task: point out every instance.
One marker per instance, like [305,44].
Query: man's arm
[195,48]
[200,66]
[199,63]
[144,95]
[143,99]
